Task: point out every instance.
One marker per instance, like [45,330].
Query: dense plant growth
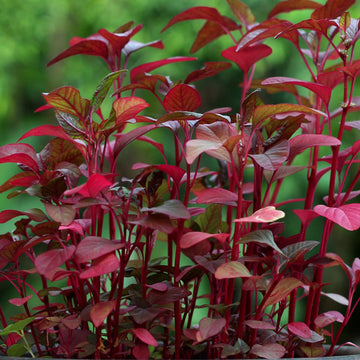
[101,291]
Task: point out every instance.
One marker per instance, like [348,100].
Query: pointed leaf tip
[145,336]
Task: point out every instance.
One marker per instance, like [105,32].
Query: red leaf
[305,216]
[52,130]
[269,29]
[321,90]
[119,40]
[351,70]
[92,247]
[332,9]
[159,287]
[209,327]
[174,171]
[171,295]
[194,237]
[203,13]
[123,139]
[300,329]
[20,301]
[72,321]
[263,112]
[356,270]
[101,266]
[328,318]
[347,216]
[210,69]
[196,147]
[290,5]
[268,351]
[282,289]
[264,215]
[100,311]
[93,45]
[67,99]
[158,222]
[26,179]
[232,270]
[34,214]
[331,79]
[242,12]
[211,138]
[257,324]
[48,263]
[145,336]
[20,153]
[208,33]
[64,214]
[43,107]
[92,187]
[337,260]
[127,108]
[144,68]
[246,57]
[217,195]
[274,157]
[301,142]
[321,26]
[74,226]
[182,97]
[141,351]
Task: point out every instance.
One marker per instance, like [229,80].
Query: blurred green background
[32,32]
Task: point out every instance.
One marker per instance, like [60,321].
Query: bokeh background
[32,32]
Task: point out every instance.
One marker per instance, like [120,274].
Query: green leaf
[261,237]
[16,350]
[17,326]
[103,89]
[291,251]
[210,220]
[232,270]
[171,208]
[70,124]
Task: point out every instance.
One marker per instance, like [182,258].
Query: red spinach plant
[102,290]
